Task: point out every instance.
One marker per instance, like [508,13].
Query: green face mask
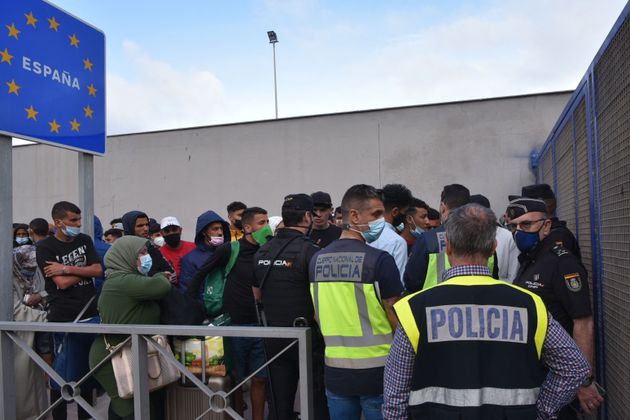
[261,235]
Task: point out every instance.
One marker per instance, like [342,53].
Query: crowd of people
[415,312]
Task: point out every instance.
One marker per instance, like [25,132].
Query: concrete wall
[483,144]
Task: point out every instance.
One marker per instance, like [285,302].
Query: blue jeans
[248,354]
[349,408]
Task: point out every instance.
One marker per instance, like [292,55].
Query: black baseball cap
[298,202]
[541,191]
[321,198]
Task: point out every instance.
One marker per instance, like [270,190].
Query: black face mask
[238,224]
[400,218]
[173,239]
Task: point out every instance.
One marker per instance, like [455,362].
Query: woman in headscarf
[20,235]
[30,384]
[128,296]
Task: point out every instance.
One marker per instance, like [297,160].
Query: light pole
[273,40]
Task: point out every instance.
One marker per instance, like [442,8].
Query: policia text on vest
[477,322]
[478,346]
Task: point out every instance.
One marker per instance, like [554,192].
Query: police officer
[282,286]
[560,233]
[477,348]
[427,261]
[549,270]
[354,287]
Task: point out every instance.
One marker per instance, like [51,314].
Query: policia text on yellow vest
[477,344]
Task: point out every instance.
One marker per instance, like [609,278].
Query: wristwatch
[587,382]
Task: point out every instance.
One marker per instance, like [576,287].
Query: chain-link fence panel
[565,188]
[612,78]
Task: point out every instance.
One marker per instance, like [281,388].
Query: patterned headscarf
[25,266]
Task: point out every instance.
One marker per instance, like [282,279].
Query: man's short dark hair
[60,209]
[154,226]
[39,226]
[357,197]
[396,195]
[416,204]
[454,196]
[480,199]
[114,221]
[291,217]
[338,209]
[236,206]
[250,213]
[114,232]
[433,214]
[471,231]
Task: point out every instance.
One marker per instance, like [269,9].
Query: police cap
[298,202]
[513,197]
[524,205]
[542,191]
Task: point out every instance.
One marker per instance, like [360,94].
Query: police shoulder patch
[560,250]
[573,282]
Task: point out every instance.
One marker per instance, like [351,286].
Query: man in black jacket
[282,286]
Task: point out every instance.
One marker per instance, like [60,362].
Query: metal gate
[586,159]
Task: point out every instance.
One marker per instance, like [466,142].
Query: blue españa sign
[52,77]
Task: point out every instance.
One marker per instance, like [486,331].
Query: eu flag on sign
[52,76]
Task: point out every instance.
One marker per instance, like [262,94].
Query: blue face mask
[526,241]
[375,230]
[21,241]
[71,231]
[417,232]
[145,264]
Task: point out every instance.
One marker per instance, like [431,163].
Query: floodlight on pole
[273,40]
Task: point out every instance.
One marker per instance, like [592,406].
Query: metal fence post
[140,378]
[306,375]
[7,372]
[86,192]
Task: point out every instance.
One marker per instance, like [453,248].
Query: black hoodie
[159,265]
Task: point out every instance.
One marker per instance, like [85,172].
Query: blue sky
[189,63]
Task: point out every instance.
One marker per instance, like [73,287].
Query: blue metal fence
[586,159]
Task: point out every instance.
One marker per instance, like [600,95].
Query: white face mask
[158,241]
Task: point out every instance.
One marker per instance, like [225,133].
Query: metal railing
[140,336]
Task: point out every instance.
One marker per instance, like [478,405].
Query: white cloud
[507,48]
[156,95]
[511,48]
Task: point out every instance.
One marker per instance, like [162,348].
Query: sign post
[52,90]
[7,376]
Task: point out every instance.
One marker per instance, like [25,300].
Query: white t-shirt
[394,244]
[507,255]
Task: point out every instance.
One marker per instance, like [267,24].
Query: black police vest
[477,351]
[285,293]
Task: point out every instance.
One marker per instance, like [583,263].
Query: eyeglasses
[526,225]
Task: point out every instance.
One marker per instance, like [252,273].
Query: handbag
[161,371]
